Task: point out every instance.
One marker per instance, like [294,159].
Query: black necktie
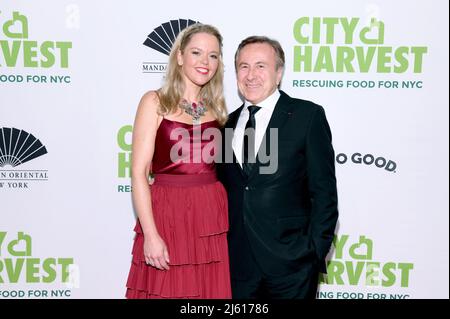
[249,140]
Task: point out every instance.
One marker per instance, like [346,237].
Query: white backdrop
[66,217]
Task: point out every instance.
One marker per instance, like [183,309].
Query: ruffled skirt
[193,222]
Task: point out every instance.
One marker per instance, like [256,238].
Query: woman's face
[200,59]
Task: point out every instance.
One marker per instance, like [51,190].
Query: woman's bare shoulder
[150,98]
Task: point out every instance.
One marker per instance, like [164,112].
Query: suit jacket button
[246,188]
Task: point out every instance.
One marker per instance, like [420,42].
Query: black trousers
[302,284]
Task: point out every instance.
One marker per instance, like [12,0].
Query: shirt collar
[267,104]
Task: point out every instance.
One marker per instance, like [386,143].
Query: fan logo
[161,40]
[16,148]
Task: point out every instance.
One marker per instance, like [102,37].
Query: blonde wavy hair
[211,93]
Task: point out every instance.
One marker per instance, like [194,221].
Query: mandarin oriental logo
[161,40]
[16,148]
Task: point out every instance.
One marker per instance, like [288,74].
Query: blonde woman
[180,249]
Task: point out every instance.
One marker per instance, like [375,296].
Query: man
[282,220]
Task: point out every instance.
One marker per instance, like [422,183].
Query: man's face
[257,74]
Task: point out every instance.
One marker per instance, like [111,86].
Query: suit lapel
[281,112]
[232,122]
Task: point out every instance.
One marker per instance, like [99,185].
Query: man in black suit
[283,203]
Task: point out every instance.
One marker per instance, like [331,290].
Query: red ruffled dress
[190,210]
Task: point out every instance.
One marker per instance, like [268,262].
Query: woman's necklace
[193,109]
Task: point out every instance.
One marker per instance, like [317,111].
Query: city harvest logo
[16,148]
[349,45]
[18,50]
[353,265]
[368,160]
[19,266]
[124,157]
[161,40]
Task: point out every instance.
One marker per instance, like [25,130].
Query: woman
[180,249]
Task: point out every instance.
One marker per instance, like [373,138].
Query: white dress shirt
[262,118]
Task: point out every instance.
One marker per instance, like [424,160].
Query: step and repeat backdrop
[72,74]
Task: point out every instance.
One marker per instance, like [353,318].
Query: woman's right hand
[156,253]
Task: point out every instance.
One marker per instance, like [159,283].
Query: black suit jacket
[286,218]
